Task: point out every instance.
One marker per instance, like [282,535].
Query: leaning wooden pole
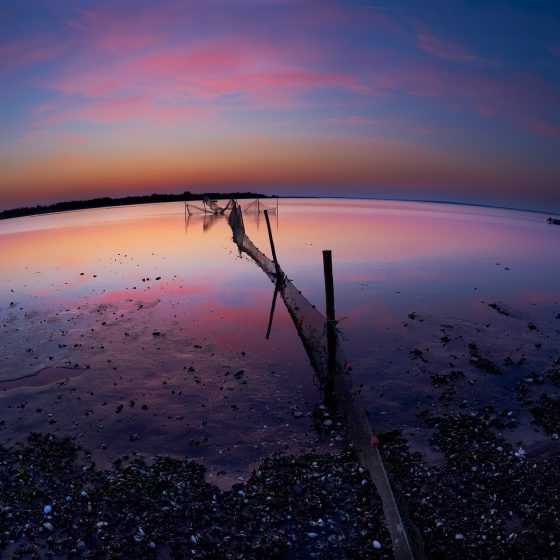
[279,274]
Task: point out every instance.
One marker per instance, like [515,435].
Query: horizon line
[279,196]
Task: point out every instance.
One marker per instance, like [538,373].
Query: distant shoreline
[107,202]
[422,201]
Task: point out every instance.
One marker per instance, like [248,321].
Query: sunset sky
[429,99]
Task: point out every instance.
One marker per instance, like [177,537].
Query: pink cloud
[265,86]
[443,48]
[204,71]
[210,76]
[122,110]
[178,62]
[152,64]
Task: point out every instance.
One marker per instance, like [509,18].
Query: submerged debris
[482,362]
[501,310]
[546,413]
[440,379]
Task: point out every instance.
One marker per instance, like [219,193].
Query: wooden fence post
[331,328]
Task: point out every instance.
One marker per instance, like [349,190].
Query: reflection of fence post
[331,327]
[272,308]
[273,249]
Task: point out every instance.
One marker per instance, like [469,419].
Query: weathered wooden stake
[329,284]
[272,248]
[331,328]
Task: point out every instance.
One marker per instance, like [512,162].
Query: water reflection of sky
[75,282]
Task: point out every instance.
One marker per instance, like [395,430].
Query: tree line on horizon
[121,201]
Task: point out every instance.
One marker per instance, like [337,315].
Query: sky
[420,99]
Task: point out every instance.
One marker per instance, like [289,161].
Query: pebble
[377,545]
[47,509]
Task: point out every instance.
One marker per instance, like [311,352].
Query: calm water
[136,329]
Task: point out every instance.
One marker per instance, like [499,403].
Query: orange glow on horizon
[259,163]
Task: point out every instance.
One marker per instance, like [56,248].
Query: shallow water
[102,307]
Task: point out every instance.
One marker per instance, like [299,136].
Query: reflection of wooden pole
[276,290]
[331,327]
[272,248]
